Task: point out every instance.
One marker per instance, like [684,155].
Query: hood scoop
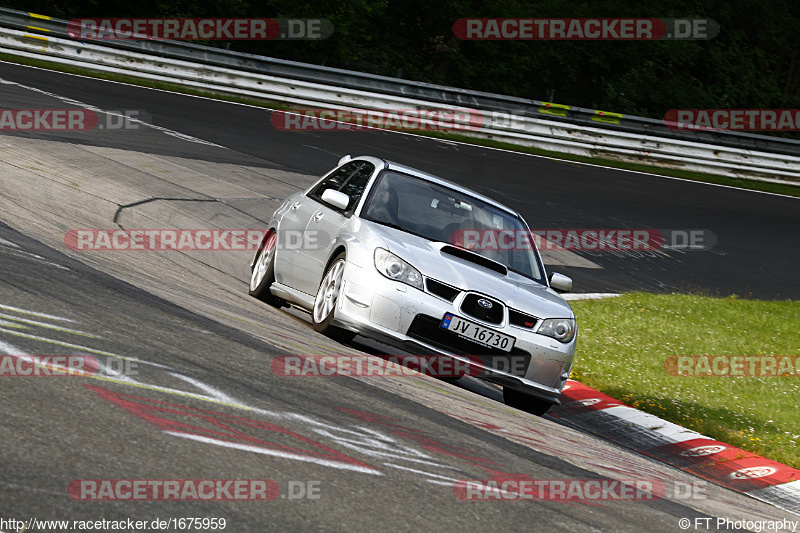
[472,257]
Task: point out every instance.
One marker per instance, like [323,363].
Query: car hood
[516,291]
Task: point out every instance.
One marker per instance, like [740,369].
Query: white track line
[34,313]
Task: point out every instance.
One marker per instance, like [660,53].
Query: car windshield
[442,214]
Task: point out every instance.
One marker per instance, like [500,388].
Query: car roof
[391,165]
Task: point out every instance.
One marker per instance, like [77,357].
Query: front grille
[441,290]
[492,314]
[521,319]
[427,329]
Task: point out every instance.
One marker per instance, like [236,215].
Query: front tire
[326,299]
[263,273]
[525,402]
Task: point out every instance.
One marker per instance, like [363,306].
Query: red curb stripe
[578,398]
[715,461]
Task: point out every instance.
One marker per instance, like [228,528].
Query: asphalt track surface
[757,243]
[186,389]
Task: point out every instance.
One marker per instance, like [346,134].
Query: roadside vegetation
[623,344]
[752,63]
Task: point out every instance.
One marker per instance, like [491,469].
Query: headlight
[561,329]
[395,268]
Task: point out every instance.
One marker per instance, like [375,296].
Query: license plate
[479,334]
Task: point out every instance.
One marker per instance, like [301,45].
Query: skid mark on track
[229,431]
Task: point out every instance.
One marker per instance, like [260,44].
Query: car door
[291,231]
[326,223]
[291,228]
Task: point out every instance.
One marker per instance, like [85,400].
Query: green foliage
[752,63]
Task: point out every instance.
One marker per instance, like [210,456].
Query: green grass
[623,344]
[791,190]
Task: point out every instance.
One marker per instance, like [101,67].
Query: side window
[357,182]
[335,180]
[351,179]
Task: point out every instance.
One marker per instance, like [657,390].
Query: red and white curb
[682,448]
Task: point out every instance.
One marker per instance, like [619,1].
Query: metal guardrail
[450,96]
[547,130]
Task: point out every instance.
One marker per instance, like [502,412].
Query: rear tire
[326,299]
[262,275]
[525,402]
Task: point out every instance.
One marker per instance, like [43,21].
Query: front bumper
[404,317]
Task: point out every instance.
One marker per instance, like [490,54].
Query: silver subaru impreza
[421,264]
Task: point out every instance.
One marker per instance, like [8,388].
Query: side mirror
[338,199]
[560,282]
[344,160]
